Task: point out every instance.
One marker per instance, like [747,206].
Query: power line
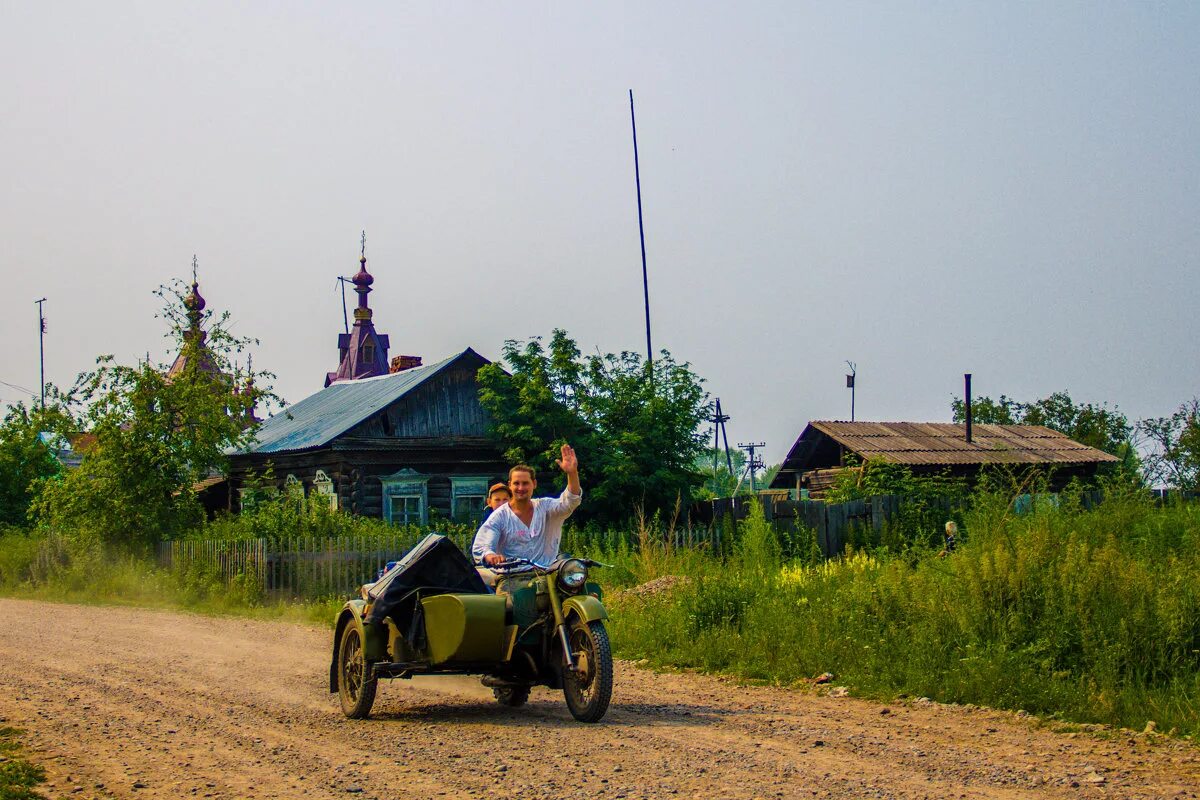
[19,388]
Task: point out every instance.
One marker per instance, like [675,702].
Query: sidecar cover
[436,565]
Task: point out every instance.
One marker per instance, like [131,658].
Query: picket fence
[302,568]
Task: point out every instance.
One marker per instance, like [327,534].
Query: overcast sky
[927,189]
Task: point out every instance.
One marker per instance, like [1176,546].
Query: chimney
[967,380]
[401,363]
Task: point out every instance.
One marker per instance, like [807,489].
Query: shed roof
[941,444]
[320,418]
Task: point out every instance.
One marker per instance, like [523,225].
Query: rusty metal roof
[940,444]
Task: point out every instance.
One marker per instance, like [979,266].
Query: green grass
[18,777]
[1078,616]
[1086,616]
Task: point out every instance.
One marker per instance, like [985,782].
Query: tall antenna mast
[42,348]
[345,316]
[850,386]
[637,173]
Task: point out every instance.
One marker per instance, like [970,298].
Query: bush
[1088,614]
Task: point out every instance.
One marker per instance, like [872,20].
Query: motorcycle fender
[586,607]
[374,645]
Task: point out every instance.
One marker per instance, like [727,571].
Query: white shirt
[503,532]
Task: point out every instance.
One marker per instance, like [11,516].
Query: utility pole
[754,462]
[42,347]
[850,386]
[719,430]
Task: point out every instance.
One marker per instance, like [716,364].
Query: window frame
[406,484]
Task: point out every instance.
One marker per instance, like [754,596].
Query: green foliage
[155,436]
[718,480]
[26,459]
[635,428]
[1090,615]
[18,777]
[1096,426]
[1175,461]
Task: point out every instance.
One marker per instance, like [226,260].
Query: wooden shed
[400,446]
[819,455]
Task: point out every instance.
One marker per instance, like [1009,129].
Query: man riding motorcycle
[526,527]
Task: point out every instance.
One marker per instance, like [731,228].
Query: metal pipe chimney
[967,381]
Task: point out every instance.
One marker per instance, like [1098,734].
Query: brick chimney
[401,363]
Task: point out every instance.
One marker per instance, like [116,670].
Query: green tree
[1096,426]
[1175,460]
[155,436]
[986,411]
[719,482]
[636,428]
[28,440]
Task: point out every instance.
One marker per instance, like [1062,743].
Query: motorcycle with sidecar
[433,614]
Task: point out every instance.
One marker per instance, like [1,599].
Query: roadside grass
[1070,614]
[18,777]
[1079,616]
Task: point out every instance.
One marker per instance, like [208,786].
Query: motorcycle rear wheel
[589,692]
[356,681]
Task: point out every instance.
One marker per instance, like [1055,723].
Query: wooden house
[820,454]
[401,446]
[385,438]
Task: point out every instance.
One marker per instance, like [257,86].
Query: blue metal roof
[320,418]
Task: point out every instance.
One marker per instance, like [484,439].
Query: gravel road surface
[135,703]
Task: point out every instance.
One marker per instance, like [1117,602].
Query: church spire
[362,353]
[194,347]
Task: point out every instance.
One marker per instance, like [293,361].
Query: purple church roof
[362,353]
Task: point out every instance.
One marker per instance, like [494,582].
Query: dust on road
[136,703]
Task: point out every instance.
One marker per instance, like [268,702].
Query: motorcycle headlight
[572,575]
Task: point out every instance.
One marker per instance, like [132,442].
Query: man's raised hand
[568,463]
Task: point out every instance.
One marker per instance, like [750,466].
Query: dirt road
[132,703]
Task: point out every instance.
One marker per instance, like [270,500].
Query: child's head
[952,528]
[497,496]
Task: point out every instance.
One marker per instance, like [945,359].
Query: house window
[294,490]
[323,488]
[406,498]
[466,498]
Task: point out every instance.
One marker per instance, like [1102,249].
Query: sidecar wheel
[512,696]
[589,691]
[356,689]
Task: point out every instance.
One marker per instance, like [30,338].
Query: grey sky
[927,189]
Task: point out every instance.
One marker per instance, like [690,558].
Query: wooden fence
[300,568]
[833,524]
[307,568]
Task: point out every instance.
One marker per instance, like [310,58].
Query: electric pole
[754,462]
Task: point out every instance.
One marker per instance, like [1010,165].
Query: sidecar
[430,613]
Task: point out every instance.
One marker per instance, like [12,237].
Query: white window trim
[323,486]
[406,483]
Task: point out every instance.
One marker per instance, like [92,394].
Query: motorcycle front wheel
[356,682]
[588,690]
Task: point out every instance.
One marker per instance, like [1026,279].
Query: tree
[1097,426]
[1175,461]
[28,440]
[636,427]
[155,435]
[719,482]
[986,411]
